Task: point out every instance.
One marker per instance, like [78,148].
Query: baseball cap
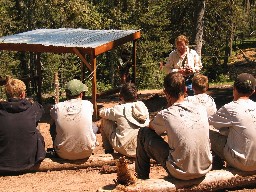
[245,82]
[75,87]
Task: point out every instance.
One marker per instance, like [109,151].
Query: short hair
[200,83]
[245,83]
[174,84]
[129,92]
[182,38]
[14,87]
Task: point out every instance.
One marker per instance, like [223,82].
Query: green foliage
[160,23]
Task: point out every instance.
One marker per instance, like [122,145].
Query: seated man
[187,155]
[200,85]
[21,144]
[237,144]
[73,135]
[121,123]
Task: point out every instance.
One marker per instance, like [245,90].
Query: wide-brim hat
[137,114]
[75,87]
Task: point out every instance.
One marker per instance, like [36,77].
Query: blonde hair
[200,83]
[182,38]
[14,87]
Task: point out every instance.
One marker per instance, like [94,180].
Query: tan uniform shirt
[123,130]
[174,62]
[240,117]
[75,138]
[203,99]
[187,128]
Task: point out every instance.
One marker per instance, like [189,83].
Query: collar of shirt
[184,55]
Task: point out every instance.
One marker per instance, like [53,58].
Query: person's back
[74,138]
[239,116]
[21,144]
[242,135]
[121,123]
[188,138]
[187,154]
[200,85]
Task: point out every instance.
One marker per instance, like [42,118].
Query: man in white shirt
[74,137]
[183,60]
[235,142]
[187,153]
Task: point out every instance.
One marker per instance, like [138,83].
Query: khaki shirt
[174,61]
[124,129]
[203,99]
[187,128]
[75,138]
[240,117]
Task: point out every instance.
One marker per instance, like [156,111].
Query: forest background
[216,29]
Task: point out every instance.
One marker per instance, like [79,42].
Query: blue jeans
[188,83]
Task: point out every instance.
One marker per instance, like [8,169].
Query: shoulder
[86,102]
[140,104]
[193,52]
[195,106]
[173,53]
[228,107]
[191,98]
[37,105]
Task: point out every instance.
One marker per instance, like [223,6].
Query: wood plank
[111,45]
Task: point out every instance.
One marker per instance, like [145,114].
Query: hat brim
[131,119]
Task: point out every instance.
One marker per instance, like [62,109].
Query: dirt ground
[91,179]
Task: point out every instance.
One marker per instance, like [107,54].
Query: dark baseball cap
[245,82]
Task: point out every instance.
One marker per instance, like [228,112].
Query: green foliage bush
[160,23]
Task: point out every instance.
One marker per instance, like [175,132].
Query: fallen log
[214,180]
[56,164]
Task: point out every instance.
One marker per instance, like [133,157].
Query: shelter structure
[84,43]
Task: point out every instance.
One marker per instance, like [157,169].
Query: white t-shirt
[75,138]
[206,100]
[187,128]
[240,117]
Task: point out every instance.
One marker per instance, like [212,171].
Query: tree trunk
[230,34]
[199,26]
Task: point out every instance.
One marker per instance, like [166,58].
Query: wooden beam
[94,87]
[80,55]
[134,62]
[35,48]
[39,74]
[111,45]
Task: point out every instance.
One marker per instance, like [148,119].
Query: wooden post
[82,72]
[56,88]
[94,87]
[39,78]
[134,62]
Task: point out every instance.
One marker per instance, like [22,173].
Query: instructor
[183,60]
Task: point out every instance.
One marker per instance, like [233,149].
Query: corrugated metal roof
[67,37]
